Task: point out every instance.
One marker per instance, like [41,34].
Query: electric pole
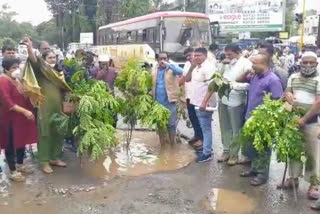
[302,24]
[318,37]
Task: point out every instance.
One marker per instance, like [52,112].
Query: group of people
[251,78]
[27,104]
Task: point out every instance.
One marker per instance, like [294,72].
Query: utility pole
[318,37]
[302,24]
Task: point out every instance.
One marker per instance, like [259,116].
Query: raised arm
[31,54]
[176,69]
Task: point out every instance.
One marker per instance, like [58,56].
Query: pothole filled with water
[226,201]
[145,155]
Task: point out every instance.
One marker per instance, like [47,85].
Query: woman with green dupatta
[42,77]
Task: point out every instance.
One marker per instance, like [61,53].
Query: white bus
[145,36]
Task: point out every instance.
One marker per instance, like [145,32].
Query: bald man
[262,81]
[44,46]
[304,91]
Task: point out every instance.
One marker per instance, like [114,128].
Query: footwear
[243,160]
[288,183]
[0,169]
[313,192]
[204,158]
[258,181]
[197,144]
[232,161]
[248,173]
[199,150]
[223,158]
[193,140]
[46,168]
[58,163]
[23,168]
[316,205]
[16,176]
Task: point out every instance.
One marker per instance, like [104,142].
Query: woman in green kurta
[52,87]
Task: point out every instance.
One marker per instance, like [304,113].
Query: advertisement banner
[86,38]
[245,15]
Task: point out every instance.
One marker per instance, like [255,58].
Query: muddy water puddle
[144,156]
[229,202]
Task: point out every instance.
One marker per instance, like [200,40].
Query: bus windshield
[182,32]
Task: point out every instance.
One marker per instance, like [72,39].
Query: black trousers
[11,153]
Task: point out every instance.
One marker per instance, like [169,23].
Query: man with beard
[304,91]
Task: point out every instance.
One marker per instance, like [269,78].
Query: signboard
[86,38]
[247,16]
[244,35]
[284,35]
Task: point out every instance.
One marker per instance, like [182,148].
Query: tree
[7,41]
[291,25]
[134,8]
[10,30]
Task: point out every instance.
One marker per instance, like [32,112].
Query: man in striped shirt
[303,90]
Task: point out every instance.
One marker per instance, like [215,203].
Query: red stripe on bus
[154,16]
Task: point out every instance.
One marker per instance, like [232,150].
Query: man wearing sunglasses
[165,88]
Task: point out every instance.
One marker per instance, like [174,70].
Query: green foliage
[134,8]
[10,30]
[272,126]
[137,104]
[92,122]
[219,85]
[7,41]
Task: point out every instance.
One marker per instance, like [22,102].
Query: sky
[35,11]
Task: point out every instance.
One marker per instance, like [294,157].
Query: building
[311,25]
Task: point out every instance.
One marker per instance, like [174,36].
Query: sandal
[288,183]
[58,163]
[223,158]
[193,140]
[23,168]
[46,168]
[243,160]
[197,144]
[17,176]
[232,161]
[258,181]
[313,192]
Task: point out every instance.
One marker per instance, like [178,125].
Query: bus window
[134,36]
[123,38]
[144,35]
[129,37]
[139,36]
[150,35]
[114,38]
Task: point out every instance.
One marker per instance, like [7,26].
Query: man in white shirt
[198,136]
[232,108]
[201,71]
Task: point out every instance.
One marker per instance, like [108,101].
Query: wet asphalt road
[185,191]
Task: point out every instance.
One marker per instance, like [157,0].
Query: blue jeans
[194,120]
[205,119]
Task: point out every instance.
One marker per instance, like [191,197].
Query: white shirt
[199,83]
[187,85]
[232,72]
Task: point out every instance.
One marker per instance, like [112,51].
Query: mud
[144,156]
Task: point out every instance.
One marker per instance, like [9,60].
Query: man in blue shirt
[165,91]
